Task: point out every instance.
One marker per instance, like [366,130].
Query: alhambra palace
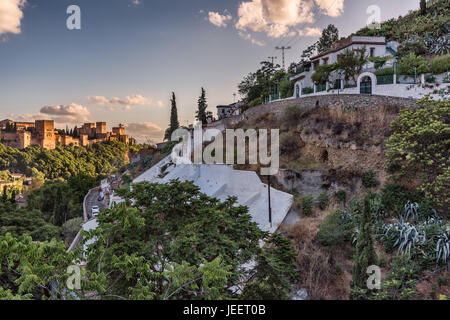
[43,133]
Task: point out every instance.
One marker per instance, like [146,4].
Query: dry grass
[325,273]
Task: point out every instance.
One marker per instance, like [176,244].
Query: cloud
[248,36]
[10,16]
[126,103]
[218,19]
[73,113]
[145,131]
[276,18]
[136,2]
[61,114]
[310,32]
[332,8]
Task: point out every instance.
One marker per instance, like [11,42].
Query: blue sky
[130,54]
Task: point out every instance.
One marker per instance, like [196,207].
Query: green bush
[256,102]
[307,205]
[322,200]
[341,195]
[411,64]
[292,115]
[286,89]
[307,90]
[385,72]
[440,64]
[368,179]
[334,231]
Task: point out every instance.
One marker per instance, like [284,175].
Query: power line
[283,48]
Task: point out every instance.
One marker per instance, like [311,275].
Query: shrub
[286,89]
[368,179]
[256,102]
[385,72]
[411,64]
[307,90]
[440,64]
[288,144]
[334,231]
[322,200]
[394,196]
[418,48]
[307,205]
[292,115]
[341,195]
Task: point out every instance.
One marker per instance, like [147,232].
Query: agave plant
[411,210]
[443,246]
[440,46]
[406,234]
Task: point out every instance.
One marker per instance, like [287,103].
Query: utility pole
[283,48]
[234,95]
[273,58]
[270,207]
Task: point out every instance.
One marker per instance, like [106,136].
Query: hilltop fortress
[43,133]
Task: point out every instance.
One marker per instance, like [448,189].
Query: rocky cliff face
[329,142]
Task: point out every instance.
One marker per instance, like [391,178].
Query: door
[366,85]
[297,91]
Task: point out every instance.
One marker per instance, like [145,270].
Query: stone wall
[332,100]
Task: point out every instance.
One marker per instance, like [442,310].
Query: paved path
[92,200]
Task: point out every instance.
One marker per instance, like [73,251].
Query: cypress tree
[423,7]
[365,252]
[174,124]
[201,114]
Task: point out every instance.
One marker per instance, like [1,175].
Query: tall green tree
[201,113]
[174,124]
[365,251]
[423,7]
[173,242]
[329,35]
[351,62]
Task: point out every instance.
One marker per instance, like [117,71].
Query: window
[372,52]
[325,60]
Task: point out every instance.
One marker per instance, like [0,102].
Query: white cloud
[145,131]
[332,8]
[73,113]
[276,18]
[126,103]
[310,32]
[10,16]
[248,36]
[62,115]
[218,19]
[136,2]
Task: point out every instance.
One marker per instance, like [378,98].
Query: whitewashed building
[375,47]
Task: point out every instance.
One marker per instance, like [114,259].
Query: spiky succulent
[411,211]
[443,246]
[406,235]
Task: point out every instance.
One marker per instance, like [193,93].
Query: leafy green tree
[329,35]
[174,124]
[412,64]
[259,84]
[322,73]
[419,148]
[31,269]
[365,252]
[173,242]
[351,62]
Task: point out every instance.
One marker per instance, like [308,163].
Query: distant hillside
[435,23]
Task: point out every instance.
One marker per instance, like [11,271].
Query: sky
[129,55]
